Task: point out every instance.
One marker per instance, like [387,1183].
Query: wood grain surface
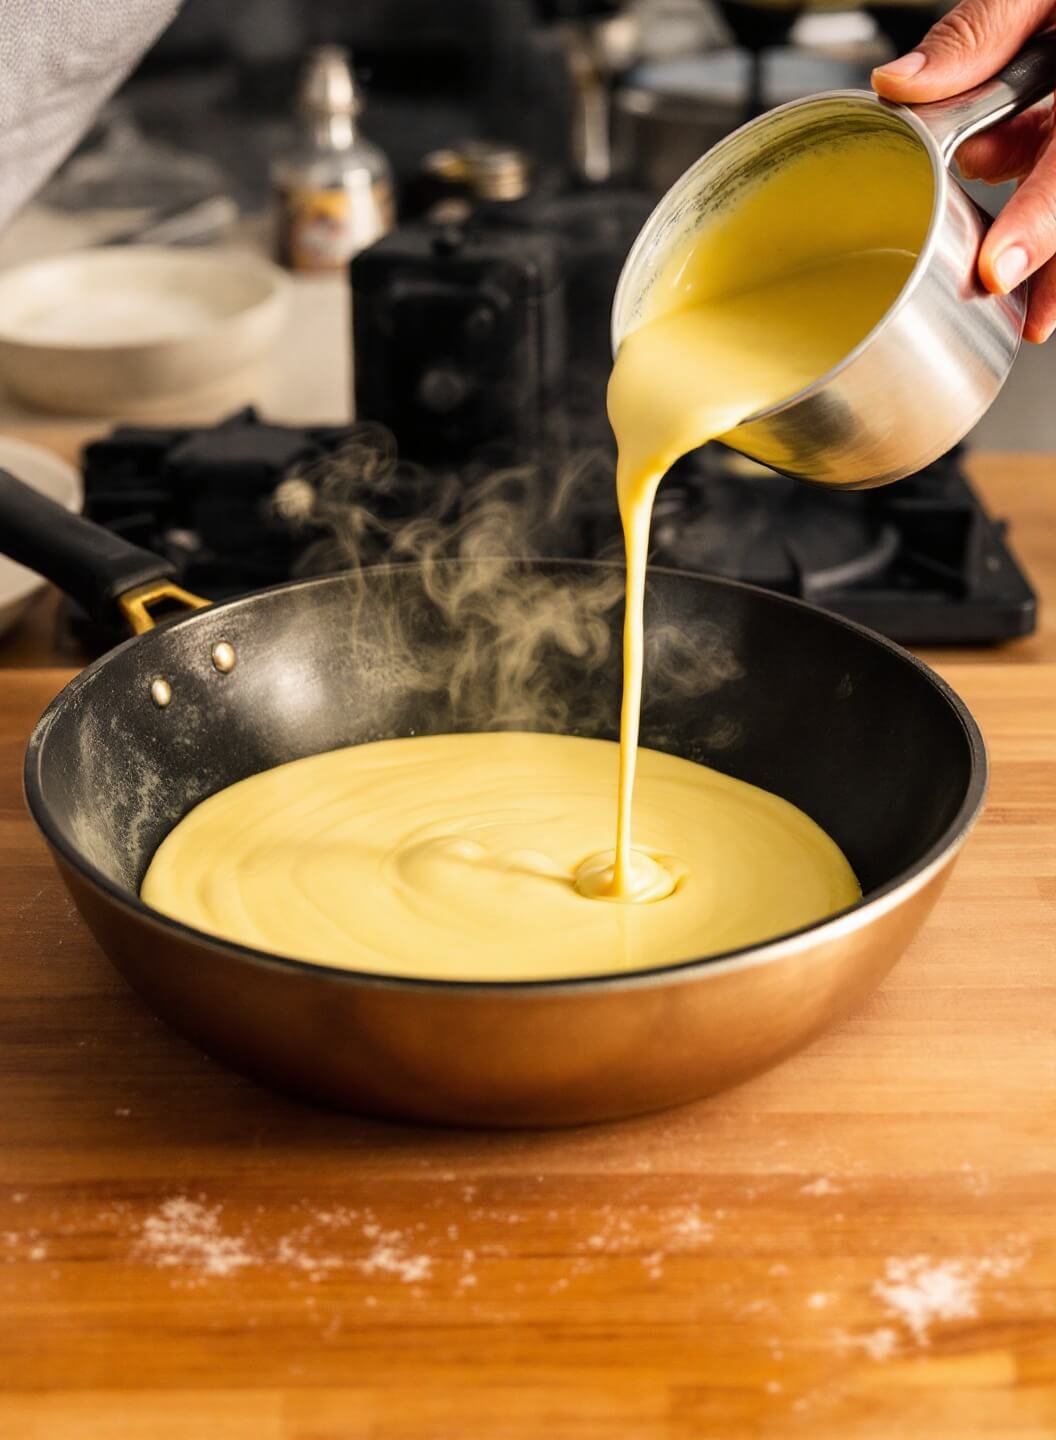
[860,1243]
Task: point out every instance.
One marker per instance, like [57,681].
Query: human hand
[966,47]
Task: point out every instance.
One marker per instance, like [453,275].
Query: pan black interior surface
[765,689]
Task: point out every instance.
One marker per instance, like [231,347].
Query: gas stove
[250,504]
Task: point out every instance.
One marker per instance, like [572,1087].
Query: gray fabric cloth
[59,61]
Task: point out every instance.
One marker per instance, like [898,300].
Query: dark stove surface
[921,561]
[249,504]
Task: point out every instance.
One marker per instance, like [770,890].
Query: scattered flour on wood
[187,1233]
[662,1234]
[977,1181]
[20,1246]
[296,1252]
[820,1186]
[389,1257]
[335,1217]
[919,1291]
[879,1344]
[690,1226]
[654,1264]
[759,1306]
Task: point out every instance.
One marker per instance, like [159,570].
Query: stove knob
[443,390]
[479,324]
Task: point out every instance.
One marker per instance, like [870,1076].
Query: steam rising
[495,629]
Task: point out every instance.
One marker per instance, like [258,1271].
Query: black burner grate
[920,561]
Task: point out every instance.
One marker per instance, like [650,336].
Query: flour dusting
[187,1233]
[20,1246]
[919,1291]
[389,1257]
[672,1230]
[820,1186]
[654,1264]
[880,1344]
[293,1250]
[690,1226]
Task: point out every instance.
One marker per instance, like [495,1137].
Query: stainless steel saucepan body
[922,378]
[839,721]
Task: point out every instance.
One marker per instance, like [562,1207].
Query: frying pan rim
[845,921]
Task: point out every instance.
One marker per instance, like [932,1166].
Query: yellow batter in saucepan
[491,856]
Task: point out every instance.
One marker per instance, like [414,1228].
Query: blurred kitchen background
[506,153]
[598,107]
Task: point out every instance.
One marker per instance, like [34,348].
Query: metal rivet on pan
[224,656]
[160,692]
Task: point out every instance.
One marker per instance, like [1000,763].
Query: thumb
[1023,237]
[967,46]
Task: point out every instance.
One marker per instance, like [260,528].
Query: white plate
[137,330]
[53,477]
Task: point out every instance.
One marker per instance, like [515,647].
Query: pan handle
[110,577]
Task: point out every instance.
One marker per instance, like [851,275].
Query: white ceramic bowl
[52,477]
[138,331]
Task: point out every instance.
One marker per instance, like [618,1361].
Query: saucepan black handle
[92,566]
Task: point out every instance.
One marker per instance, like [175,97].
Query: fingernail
[905,66]
[1010,267]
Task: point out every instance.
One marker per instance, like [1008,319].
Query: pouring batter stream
[747,313]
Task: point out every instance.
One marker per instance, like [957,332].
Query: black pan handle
[92,566]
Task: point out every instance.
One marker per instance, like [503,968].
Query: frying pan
[836,719]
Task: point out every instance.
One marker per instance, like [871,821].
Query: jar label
[322,229]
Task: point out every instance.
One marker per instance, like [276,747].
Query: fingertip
[889,79]
[1003,261]
[1010,267]
[1041,313]
[1039,328]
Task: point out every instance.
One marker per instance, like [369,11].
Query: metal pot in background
[922,378]
[673,111]
[680,100]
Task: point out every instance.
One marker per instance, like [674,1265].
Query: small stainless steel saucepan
[922,378]
[839,721]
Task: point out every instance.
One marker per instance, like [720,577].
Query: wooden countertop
[860,1243]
